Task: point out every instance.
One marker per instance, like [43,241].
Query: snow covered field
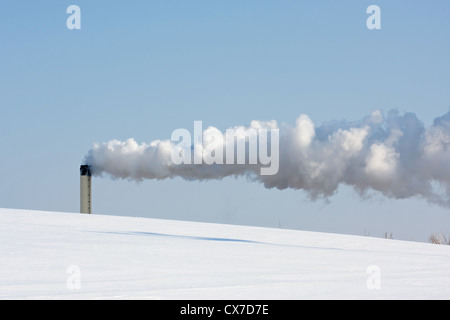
[49,255]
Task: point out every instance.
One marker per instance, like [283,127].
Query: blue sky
[140,69]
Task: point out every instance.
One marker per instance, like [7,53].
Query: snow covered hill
[49,255]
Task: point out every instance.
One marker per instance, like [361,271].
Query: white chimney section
[85,189]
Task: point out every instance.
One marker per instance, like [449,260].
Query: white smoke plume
[395,155]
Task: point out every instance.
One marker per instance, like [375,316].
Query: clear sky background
[140,69]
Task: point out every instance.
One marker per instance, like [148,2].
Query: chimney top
[85,170]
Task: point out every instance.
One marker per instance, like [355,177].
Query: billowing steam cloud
[394,155]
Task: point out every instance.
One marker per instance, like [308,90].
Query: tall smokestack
[85,189]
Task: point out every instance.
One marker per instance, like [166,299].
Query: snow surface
[45,255]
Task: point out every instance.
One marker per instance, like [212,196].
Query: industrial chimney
[85,189]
